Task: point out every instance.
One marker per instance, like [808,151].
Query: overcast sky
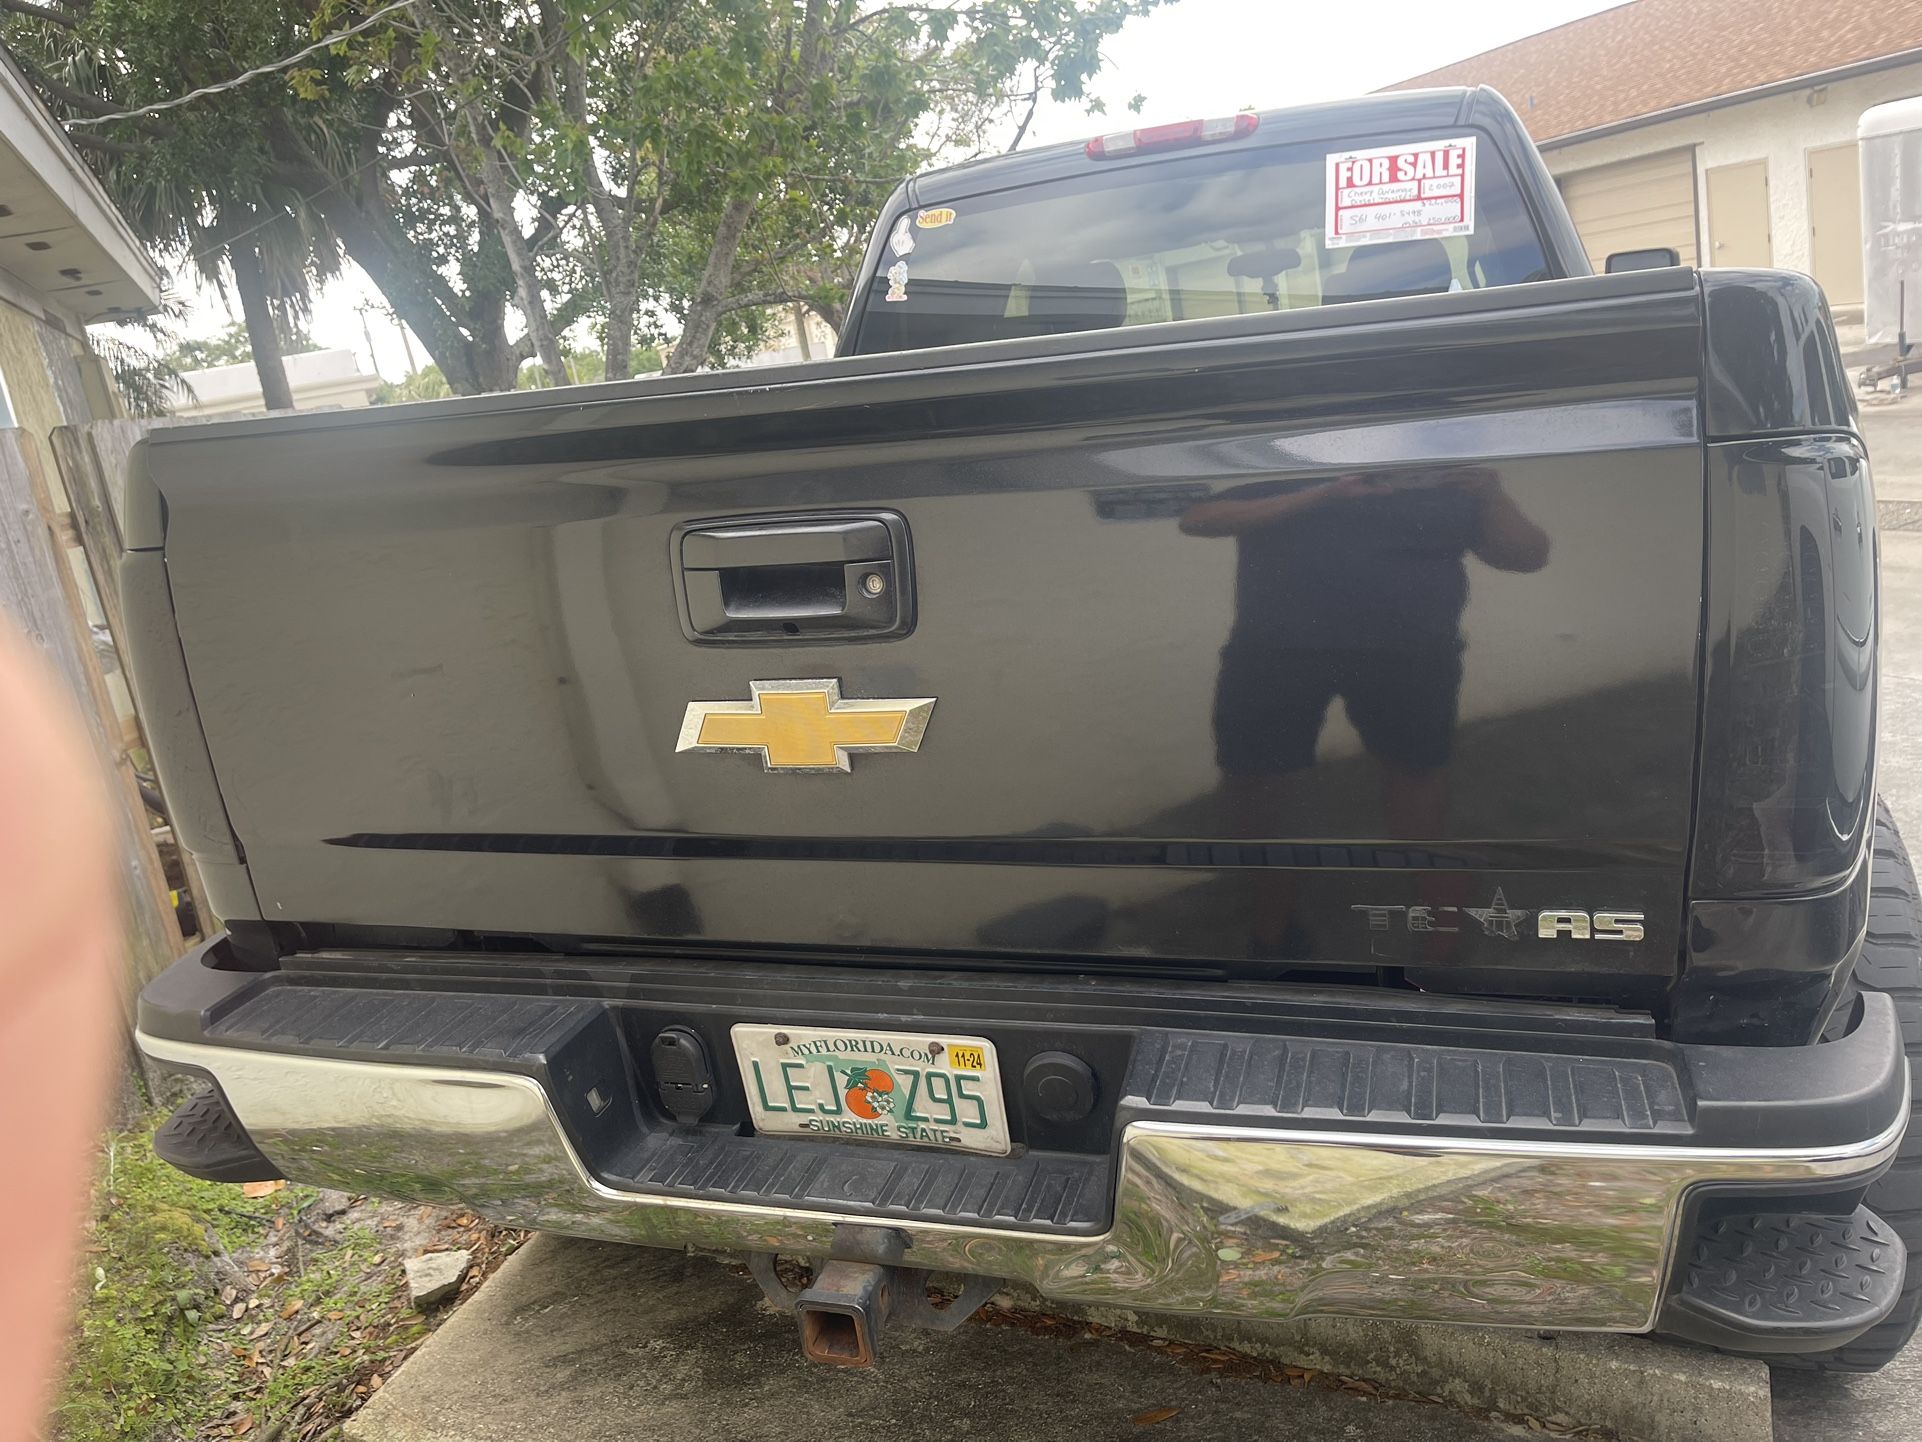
[1191,58]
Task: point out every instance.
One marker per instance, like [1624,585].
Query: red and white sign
[1401,192]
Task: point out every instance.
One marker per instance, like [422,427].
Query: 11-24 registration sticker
[1416,191]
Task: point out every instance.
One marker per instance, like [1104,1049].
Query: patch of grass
[352,1326]
[138,1369]
[206,1314]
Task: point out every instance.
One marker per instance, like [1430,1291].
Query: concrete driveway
[680,1349]
[1895,453]
[1894,430]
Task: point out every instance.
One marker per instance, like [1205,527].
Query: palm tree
[275,255]
[189,192]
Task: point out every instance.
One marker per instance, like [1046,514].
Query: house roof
[59,233]
[1651,57]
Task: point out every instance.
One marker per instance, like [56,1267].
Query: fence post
[41,594]
[96,514]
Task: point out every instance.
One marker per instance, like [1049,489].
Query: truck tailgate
[440,655]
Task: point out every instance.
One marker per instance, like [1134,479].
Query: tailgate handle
[770,578]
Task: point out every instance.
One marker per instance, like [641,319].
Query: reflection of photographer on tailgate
[1355,588]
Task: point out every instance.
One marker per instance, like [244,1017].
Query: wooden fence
[51,599]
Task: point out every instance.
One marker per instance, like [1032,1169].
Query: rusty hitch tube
[843,1313]
[858,1290]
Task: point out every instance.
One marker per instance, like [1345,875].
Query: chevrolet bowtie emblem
[804,725]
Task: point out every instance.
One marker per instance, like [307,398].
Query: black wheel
[1891,963]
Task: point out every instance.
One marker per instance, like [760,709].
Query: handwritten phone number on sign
[1404,192]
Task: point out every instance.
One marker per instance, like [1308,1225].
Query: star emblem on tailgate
[1498,918]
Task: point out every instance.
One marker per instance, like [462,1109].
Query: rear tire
[1891,963]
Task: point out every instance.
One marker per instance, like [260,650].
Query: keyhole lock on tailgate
[815,576]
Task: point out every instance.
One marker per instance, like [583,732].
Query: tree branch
[756,299]
[40,12]
[704,312]
[831,311]
[414,289]
[105,146]
[81,100]
[520,350]
[1034,100]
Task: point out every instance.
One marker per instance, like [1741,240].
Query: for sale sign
[1401,192]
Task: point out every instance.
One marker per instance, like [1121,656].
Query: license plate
[880,1086]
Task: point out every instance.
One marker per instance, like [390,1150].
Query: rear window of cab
[1223,231]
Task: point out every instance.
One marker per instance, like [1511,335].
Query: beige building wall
[321,380]
[1780,129]
[25,368]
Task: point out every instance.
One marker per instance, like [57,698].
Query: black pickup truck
[895,811]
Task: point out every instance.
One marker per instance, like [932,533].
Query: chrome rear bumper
[1252,1222]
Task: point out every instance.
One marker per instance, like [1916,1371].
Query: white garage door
[1634,204]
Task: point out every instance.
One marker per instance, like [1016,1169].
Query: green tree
[231,345]
[585,367]
[198,185]
[264,185]
[139,352]
[149,383]
[724,157]
[425,384]
[644,168]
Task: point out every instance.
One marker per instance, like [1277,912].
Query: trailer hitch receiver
[843,1312]
[860,1288]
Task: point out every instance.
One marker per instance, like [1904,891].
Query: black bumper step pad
[1037,1191]
[203,1139]
[347,1022]
[1785,1281]
[1334,1080]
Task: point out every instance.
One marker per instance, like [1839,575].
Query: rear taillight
[1172,137]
